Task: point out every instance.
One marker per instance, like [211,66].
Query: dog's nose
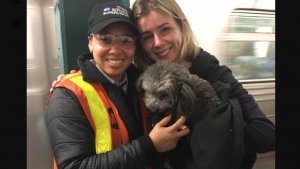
[153,108]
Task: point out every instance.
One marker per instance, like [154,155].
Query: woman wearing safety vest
[95,117]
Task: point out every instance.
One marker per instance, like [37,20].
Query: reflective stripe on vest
[99,115]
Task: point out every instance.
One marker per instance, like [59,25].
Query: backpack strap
[223,91]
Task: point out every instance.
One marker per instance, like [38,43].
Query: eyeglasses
[108,40]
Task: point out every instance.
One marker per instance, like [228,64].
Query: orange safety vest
[97,107]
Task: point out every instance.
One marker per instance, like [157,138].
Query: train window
[248,44]
[245,24]
[252,59]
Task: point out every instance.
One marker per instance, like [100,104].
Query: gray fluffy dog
[160,84]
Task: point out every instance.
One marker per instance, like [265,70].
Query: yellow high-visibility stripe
[99,115]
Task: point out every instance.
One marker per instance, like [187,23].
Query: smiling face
[113,60]
[161,36]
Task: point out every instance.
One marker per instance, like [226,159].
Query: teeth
[115,61]
[163,52]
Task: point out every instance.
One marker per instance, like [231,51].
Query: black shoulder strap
[223,90]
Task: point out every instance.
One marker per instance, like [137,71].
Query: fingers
[164,121]
[182,132]
[179,122]
[178,125]
[166,138]
[60,77]
[182,129]
[56,81]
[53,85]
[73,71]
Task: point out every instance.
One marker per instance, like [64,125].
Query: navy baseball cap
[106,13]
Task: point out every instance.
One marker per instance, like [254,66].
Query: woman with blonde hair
[166,34]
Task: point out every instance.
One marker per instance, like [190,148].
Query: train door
[42,69]
[247,45]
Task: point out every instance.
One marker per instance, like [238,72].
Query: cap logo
[117,11]
[107,9]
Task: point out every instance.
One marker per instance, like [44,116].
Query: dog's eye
[163,96]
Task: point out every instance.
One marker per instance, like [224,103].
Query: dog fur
[160,83]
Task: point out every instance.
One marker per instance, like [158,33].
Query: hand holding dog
[166,138]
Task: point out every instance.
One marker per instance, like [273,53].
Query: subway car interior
[241,35]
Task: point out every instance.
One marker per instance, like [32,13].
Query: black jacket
[216,137]
[259,132]
[72,137]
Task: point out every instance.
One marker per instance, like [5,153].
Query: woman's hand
[166,138]
[59,77]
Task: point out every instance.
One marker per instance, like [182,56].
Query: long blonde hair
[190,47]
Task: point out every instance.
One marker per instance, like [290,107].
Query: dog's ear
[187,99]
[139,85]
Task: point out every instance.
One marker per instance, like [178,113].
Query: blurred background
[240,33]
